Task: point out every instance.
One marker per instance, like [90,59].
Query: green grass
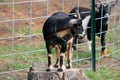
[104,73]
[17,59]
[21,61]
[1,0]
[5,50]
[27,30]
[113,47]
[24,30]
[82,53]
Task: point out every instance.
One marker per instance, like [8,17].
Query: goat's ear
[73,21]
[86,20]
[97,6]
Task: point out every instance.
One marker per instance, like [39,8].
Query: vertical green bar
[93,37]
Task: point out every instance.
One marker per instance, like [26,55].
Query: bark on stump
[68,74]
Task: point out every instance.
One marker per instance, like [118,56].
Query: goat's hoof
[60,69]
[48,69]
[74,48]
[105,53]
[68,67]
[56,66]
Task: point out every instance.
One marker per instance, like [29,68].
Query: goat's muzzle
[107,15]
[80,36]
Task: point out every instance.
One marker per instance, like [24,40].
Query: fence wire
[21,40]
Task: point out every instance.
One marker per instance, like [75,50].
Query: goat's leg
[49,51]
[62,56]
[74,44]
[89,44]
[69,56]
[58,56]
[103,51]
[89,40]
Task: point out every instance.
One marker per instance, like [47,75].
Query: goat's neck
[64,32]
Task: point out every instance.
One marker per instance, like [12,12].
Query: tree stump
[68,74]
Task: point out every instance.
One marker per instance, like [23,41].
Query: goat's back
[57,22]
[83,11]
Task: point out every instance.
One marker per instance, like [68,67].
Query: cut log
[68,74]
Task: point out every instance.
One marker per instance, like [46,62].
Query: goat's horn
[78,14]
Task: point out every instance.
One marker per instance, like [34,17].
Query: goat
[101,16]
[58,32]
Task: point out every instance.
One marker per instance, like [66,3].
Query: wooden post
[68,74]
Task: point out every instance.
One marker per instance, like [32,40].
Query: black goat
[101,16]
[58,32]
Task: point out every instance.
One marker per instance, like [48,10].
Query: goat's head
[105,8]
[76,28]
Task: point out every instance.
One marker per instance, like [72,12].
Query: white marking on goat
[63,32]
[107,15]
[50,55]
[107,22]
[105,5]
[82,35]
[75,15]
[85,22]
[73,21]
[89,45]
[70,41]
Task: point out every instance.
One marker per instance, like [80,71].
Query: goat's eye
[79,24]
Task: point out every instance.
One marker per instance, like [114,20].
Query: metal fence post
[93,37]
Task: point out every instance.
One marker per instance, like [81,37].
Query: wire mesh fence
[21,40]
